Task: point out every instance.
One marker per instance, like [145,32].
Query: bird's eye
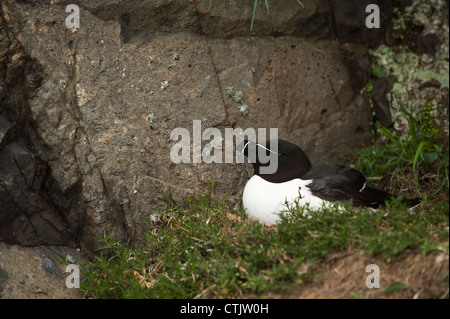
[280,154]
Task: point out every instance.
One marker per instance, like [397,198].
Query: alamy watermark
[73,280]
[73,19]
[221,149]
[373,19]
[373,280]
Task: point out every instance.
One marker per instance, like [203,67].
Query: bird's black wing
[338,183]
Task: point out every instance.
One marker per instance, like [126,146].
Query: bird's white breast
[264,201]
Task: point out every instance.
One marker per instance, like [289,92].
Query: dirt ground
[343,275]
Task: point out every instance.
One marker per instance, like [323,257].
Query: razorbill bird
[295,180]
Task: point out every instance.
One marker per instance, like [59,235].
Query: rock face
[86,116]
[33,209]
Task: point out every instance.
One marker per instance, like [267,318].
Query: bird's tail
[410,202]
[383,182]
[374,196]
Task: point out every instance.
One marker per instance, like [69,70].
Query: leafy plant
[396,286]
[418,151]
[378,71]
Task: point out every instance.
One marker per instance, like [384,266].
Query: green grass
[202,248]
[396,286]
[416,158]
[208,4]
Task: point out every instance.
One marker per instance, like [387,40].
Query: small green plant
[378,71]
[418,152]
[431,148]
[396,286]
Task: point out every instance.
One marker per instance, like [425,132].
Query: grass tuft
[417,160]
[255,4]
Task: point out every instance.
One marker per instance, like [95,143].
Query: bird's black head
[289,160]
